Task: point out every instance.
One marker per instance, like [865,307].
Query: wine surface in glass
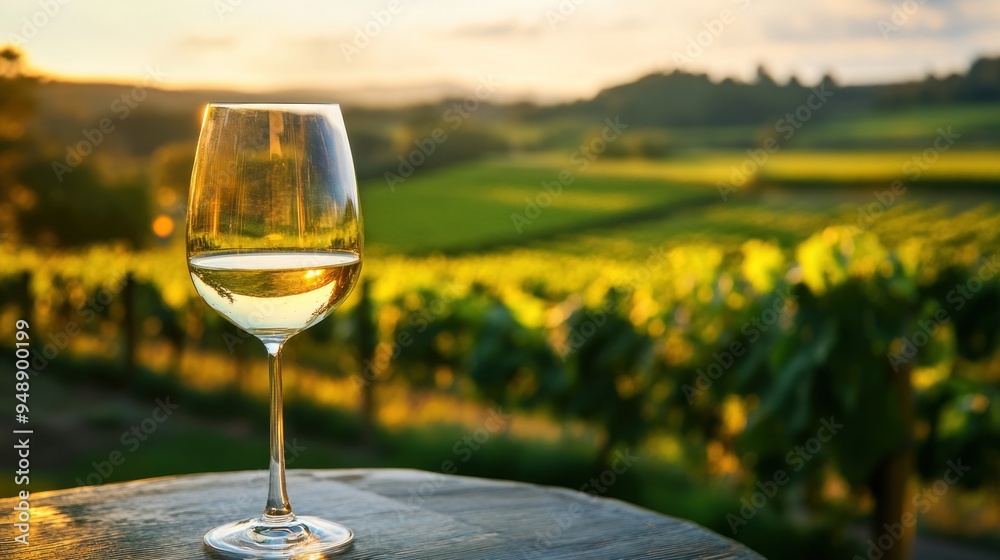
[275,293]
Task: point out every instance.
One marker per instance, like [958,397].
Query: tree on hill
[11,58]
[763,78]
[981,84]
[18,105]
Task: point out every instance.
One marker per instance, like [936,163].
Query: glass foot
[290,537]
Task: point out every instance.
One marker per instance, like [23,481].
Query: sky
[537,49]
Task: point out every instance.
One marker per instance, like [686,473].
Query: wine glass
[274,243]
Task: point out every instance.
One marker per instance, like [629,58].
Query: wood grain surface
[394,513]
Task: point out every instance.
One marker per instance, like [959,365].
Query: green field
[883,129]
[627,204]
[978,124]
[471,206]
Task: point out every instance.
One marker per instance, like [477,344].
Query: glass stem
[278,509]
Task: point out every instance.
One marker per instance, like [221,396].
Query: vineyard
[718,339]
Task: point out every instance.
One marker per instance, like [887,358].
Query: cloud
[202,43]
[847,22]
[322,45]
[495,30]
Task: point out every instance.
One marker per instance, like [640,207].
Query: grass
[728,225]
[621,206]
[873,129]
[953,165]
[471,206]
[978,124]
[783,219]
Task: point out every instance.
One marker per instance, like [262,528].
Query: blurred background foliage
[639,310]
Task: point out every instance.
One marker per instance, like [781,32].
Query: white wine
[275,293]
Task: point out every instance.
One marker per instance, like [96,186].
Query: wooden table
[394,514]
